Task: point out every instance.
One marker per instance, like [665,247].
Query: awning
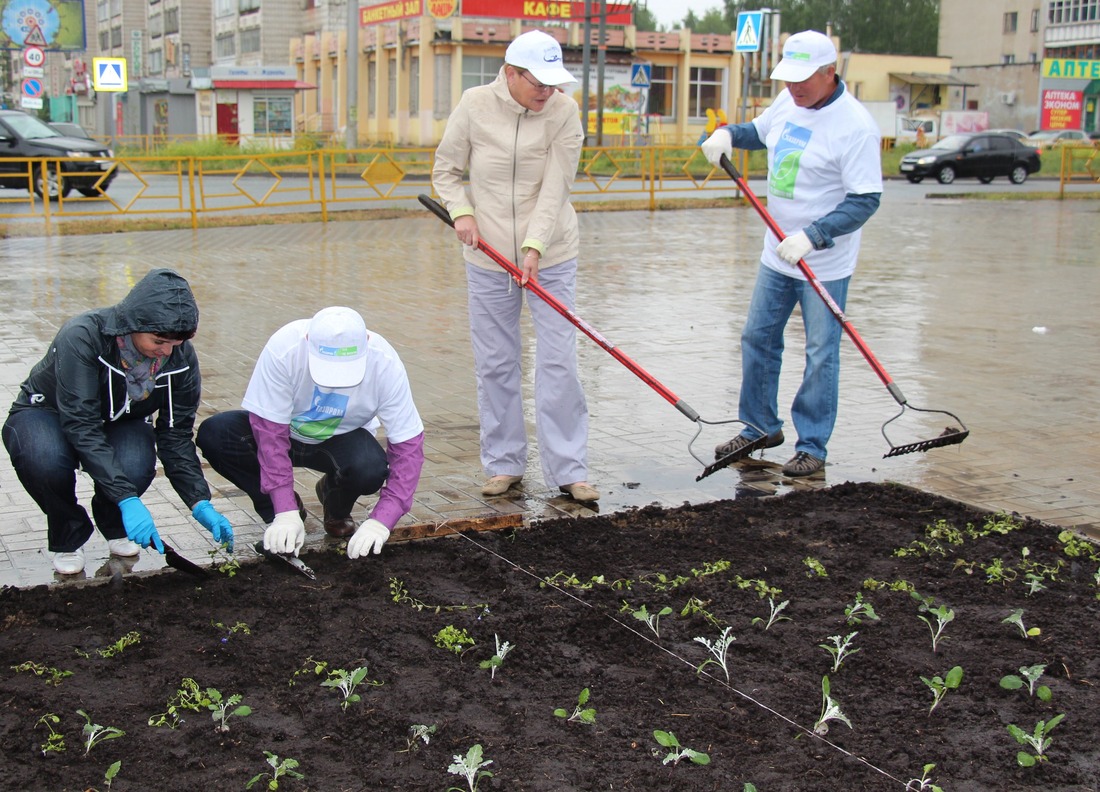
[930,78]
[265,85]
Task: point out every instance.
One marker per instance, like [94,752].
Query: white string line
[683,660]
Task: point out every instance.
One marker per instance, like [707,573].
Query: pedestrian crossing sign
[109,74]
[748,31]
[640,75]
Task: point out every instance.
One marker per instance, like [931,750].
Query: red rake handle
[861,345]
[557,305]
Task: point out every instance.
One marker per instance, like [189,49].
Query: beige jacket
[521,166]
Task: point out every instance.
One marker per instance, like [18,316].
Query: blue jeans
[46,464]
[814,408]
[354,463]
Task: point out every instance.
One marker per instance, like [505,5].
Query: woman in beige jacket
[520,138]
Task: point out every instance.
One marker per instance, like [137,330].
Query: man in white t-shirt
[320,388]
[824,183]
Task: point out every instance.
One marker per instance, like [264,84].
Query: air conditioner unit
[1008,97]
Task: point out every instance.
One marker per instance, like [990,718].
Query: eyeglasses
[536,85]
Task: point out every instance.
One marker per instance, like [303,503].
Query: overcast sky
[670,12]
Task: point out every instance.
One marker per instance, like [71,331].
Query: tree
[904,27]
[644,19]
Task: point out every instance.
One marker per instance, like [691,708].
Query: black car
[982,155]
[90,168]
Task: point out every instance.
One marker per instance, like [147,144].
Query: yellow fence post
[321,178]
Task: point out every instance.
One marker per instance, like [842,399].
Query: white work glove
[286,534]
[368,538]
[716,145]
[794,247]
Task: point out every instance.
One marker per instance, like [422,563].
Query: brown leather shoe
[337,527]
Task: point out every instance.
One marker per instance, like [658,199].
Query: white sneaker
[69,563]
[124,547]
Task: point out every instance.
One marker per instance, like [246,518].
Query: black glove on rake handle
[951,435]
[615,352]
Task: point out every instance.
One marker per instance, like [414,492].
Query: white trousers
[561,414]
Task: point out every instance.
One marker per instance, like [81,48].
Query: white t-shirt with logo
[282,391]
[815,158]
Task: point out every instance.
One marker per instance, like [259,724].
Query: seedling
[309,665]
[816,568]
[223,561]
[758,585]
[109,776]
[997,572]
[924,783]
[580,714]
[841,649]
[129,639]
[830,710]
[652,620]
[773,615]
[1039,741]
[221,710]
[943,616]
[52,676]
[187,697]
[1076,546]
[1031,675]
[94,734]
[718,649]
[470,767]
[453,639]
[676,752]
[941,685]
[346,682]
[239,627]
[418,733]
[497,660]
[279,768]
[859,610]
[1017,618]
[55,740]
[399,594]
[697,607]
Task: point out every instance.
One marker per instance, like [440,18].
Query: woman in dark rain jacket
[90,404]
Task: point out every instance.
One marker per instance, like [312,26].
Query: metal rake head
[951,435]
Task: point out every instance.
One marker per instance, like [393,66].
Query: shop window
[372,89]
[479,71]
[662,91]
[442,106]
[705,91]
[273,115]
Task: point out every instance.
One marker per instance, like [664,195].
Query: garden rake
[616,353]
[951,435]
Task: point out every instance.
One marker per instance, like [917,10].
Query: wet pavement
[984,309]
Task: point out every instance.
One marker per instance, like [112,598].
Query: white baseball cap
[540,54]
[337,348]
[803,54]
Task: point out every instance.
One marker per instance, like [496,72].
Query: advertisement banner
[1061,110]
[56,25]
[617,13]
[389,12]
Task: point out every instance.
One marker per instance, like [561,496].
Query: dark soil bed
[384,613]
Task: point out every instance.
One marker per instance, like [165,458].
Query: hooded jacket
[81,379]
[522,166]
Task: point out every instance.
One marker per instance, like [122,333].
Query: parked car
[1094,134]
[1016,133]
[69,129]
[1049,138]
[90,170]
[982,155]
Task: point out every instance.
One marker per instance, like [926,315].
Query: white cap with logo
[540,54]
[803,54]
[337,348]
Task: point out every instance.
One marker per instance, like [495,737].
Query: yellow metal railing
[153,185]
[1079,164]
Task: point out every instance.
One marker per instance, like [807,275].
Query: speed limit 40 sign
[34,56]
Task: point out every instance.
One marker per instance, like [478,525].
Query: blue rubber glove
[139,524]
[212,520]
